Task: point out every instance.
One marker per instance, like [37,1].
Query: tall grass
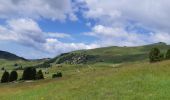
[133,81]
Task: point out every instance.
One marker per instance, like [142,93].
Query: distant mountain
[9,56]
[112,54]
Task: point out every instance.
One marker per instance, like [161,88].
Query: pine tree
[13,76]
[39,75]
[5,77]
[29,73]
[155,55]
[168,54]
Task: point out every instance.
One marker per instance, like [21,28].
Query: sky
[37,29]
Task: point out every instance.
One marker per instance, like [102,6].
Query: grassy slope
[126,54]
[7,60]
[121,54]
[141,81]
[9,64]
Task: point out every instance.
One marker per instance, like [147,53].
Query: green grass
[116,54]
[125,54]
[9,64]
[132,81]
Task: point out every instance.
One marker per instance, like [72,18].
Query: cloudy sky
[45,28]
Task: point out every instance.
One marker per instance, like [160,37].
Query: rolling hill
[98,81]
[10,56]
[12,61]
[112,54]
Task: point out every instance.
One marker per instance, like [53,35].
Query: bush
[162,57]
[59,74]
[15,64]
[29,73]
[168,54]
[13,76]
[39,75]
[5,77]
[2,68]
[54,75]
[155,55]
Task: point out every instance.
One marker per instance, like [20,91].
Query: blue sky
[47,28]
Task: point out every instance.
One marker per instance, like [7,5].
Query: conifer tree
[155,55]
[5,77]
[13,76]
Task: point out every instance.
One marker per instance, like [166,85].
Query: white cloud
[113,18]
[57,46]
[108,36]
[58,35]
[19,25]
[28,33]
[24,31]
[161,37]
[50,9]
[148,12]
[100,30]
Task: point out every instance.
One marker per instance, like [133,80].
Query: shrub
[54,75]
[39,75]
[5,77]
[59,74]
[15,64]
[168,54]
[162,57]
[29,73]
[155,55]
[2,68]
[46,65]
[13,76]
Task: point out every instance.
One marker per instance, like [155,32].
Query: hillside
[97,81]
[109,54]
[12,61]
[141,81]
[10,56]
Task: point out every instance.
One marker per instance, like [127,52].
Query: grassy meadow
[9,64]
[132,81]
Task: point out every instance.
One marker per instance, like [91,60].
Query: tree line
[155,55]
[6,77]
[29,73]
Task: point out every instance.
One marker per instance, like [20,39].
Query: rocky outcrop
[74,58]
